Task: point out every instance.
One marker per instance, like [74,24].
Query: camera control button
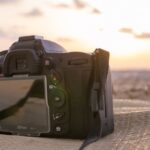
[55,77]
[51,86]
[58,129]
[58,116]
[61,129]
[57,99]
[59,103]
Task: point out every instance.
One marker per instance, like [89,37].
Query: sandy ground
[131,84]
[132,132]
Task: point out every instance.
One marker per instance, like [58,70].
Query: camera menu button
[58,116]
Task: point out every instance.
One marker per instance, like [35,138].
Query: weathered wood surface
[132,132]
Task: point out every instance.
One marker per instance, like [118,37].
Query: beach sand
[131,84]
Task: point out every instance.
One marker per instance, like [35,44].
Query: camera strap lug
[97,98]
[101,67]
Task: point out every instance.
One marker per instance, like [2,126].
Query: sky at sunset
[119,26]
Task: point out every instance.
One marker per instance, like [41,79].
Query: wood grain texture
[132,132]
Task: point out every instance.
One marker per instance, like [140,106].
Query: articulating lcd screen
[24,106]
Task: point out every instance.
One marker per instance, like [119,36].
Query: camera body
[69,79]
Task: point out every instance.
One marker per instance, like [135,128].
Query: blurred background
[119,26]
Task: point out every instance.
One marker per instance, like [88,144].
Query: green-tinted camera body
[46,91]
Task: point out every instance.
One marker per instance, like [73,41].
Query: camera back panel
[75,70]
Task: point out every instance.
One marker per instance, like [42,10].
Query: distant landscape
[131,85]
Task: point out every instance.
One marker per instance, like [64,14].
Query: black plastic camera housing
[77,87]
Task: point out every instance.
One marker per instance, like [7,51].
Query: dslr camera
[46,91]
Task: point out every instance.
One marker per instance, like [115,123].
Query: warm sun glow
[119,26]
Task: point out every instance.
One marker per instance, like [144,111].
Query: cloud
[79,4]
[62,5]
[144,35]
[33,13]
[8,1]
[126,30]
[96,11]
